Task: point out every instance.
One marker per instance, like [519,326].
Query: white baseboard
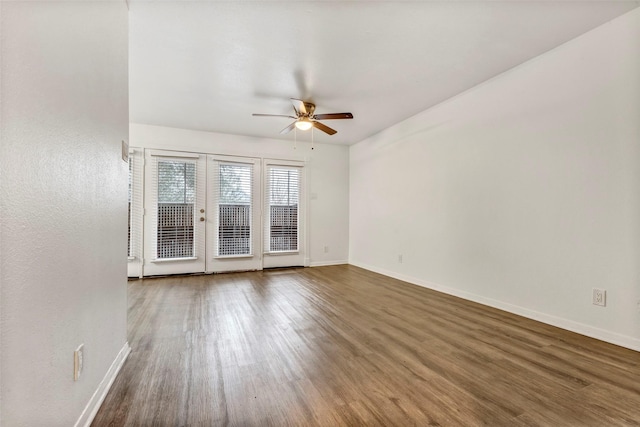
[325,263]
[569,325]
[96,400]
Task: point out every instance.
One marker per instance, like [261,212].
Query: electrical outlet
[78,362]
[599,297]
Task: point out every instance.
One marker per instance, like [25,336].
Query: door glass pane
[283,209]
[176,205]
[234,205]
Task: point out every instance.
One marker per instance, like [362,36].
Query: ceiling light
[304,124]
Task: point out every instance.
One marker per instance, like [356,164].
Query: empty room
[319,213]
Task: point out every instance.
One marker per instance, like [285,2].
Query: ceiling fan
[305,119]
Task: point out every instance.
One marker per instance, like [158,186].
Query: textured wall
[63,204]
[522,193]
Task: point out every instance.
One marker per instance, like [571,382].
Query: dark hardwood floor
[341,346]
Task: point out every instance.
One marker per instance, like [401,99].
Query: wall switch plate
[78,361]
[400,259]
[599,297]
[326,249]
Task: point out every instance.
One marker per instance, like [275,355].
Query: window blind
[281,208]
[176,186]
[233,192]
[136,163]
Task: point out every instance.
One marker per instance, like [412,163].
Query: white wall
[327,177]
[522,193]
[63,205]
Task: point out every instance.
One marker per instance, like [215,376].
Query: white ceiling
[209,65]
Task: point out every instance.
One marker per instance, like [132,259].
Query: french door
[175,215]
[209,213]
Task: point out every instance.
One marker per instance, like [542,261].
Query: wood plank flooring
[341,346]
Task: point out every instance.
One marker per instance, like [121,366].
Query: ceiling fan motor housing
[310,109]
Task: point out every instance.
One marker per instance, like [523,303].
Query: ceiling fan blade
[273,115]
[323,128]
[288,128]
[333,116]
[298,105]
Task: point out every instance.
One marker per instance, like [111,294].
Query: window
[282,199]
[234,209]
[176,204]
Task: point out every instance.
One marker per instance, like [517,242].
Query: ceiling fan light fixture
[306,119]
[304,124]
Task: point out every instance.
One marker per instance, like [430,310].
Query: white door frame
[144,263]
